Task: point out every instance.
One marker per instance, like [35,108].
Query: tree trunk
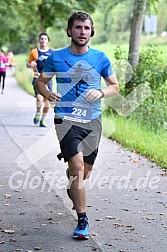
[136,30]
[42,17]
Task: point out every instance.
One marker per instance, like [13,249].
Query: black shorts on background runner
[50,84]
[75,137]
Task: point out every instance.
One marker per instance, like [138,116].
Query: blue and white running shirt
[75,75]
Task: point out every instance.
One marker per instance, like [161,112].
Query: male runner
[78,70]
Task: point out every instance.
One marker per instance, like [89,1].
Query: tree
[140,7]
[23,20]
[136,29]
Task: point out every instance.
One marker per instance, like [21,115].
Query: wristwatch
[102,93]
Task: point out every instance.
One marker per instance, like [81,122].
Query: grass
[138,138]
[23,74]
[109,48]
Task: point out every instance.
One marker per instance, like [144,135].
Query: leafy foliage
[23,20]
[152,70]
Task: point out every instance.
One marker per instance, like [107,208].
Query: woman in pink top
[3,61]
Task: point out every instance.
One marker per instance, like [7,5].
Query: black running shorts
[77,137]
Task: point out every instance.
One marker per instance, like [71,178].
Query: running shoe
[42,123]
[81,231]
[36,118]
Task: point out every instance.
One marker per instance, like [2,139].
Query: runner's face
[80,32]
[43,41]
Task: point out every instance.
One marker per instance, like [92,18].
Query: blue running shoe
[81,231]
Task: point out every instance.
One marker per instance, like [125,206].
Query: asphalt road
[127,193]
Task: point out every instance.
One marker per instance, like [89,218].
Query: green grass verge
[135,137]
[23,74]
[109,49]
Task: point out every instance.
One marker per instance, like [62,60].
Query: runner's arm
[111,89]
[112,86]
[41,85]
[31,64]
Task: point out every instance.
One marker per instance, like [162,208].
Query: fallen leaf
[110,245]
[104,199]
[118,225]
[9,231]
[110,217]
[24,234]
[164,174]
[94,234]
[150,218]
[12,240]
[18,190]
[21,213]
[59,214]
[37,248]
[134,161]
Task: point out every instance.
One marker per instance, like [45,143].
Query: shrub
[151,70]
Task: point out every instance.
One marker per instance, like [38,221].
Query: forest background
[145,129]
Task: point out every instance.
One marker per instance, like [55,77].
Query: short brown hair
[45,34]
[79,16]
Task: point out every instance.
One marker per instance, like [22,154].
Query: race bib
[78,112]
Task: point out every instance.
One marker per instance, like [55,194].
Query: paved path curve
[127,194]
